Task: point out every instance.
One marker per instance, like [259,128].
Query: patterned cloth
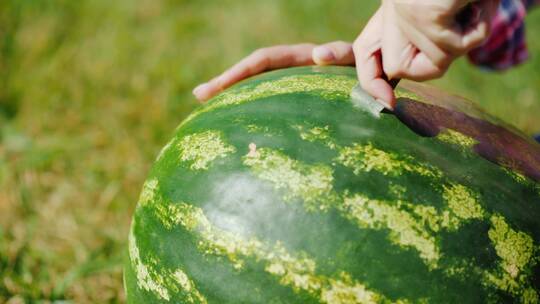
[506,45]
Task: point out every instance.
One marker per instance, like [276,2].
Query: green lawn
[91,90]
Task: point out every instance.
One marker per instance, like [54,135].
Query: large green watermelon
[280,190]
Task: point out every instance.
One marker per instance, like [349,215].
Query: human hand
[418,40]
[413,39]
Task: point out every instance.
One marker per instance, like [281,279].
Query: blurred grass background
[90,90]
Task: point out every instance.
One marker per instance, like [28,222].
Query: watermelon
[282,190]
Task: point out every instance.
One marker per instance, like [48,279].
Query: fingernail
[323,55]
[385,104]
[199,90]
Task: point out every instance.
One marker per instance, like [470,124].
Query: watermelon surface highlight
[279,190]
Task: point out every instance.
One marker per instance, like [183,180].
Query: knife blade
[362,100]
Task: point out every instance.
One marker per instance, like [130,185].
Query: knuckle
[446,44]
[217,83]
[443,62]
[392,68]
[359,48]
[261,64]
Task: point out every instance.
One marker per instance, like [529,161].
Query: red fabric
[506,46]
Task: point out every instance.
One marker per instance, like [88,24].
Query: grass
[91,90]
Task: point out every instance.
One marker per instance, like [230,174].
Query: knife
[366,102]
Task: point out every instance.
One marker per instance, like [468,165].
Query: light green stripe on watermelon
[330,88]
[401,218]
[515,248]
[462,205]
[522,179]
[148,192]
[400,93]
[463,202]
[297,272]
[311,183]
[316,133]
[153,278]
[451,218]
[518,177]
[366,157]
[198,150]
[405,229]
[516,251]
[252,128]
[455,138]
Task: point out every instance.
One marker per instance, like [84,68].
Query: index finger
[367,52]
[257,62]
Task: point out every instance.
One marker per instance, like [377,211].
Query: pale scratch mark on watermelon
[365,158]
[455,138]
[311,183]
[148,193]
[330,88]
[252,150]
[405,230]
[200,149]
[316,133]
[463,202]
[298,272]
[160,281]
[516,250]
